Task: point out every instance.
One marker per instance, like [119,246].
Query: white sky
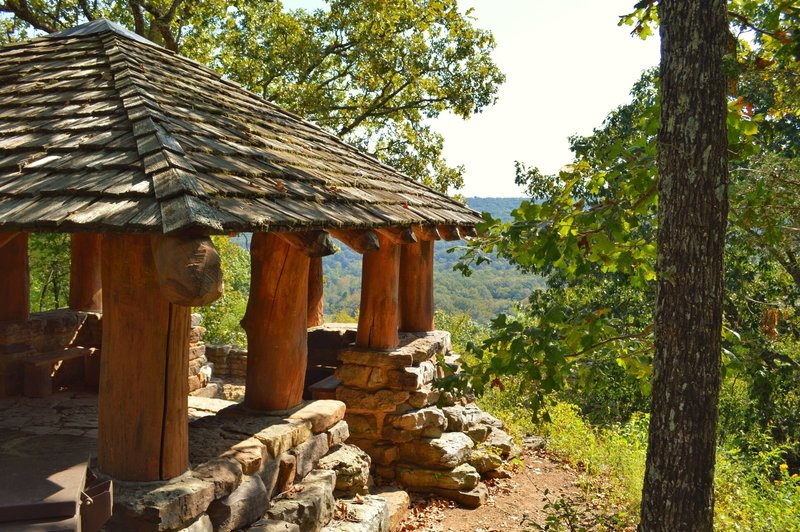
[567,65]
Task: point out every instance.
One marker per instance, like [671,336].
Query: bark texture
[316,293]
[275,323]
[143,409]
[416,286]
[692,160]
[379,314]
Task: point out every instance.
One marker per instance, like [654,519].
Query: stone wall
[394,415]
[43,332]
[52,331]
[248,467]
[200,369]
[229,361]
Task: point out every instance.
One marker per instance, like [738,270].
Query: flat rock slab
[207,405]
[450,450]
[158,506]
[242,507]
[272,525]
[469,499]
[398,503]
[365,514]
[462,478]
[322,414]
[309,505]
[351,466]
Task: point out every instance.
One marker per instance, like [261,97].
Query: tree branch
[21,10]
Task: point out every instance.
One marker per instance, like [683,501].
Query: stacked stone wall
[394,415]
[43,332]
[55,330]
[247,467]
[200,369]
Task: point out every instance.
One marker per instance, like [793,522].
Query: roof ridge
[99,26]
[164,160]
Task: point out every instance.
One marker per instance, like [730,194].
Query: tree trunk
[14,279]
[275,323]
[378,318]
[143,429]
[692,211]
[416,286]
[316,296]
[85,285]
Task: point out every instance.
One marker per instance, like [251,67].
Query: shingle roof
[102,130]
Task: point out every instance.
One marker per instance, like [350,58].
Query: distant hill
[491,289]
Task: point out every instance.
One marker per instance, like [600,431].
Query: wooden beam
[378,318]
[316,297]
[142,402]
[467,232]
[416,287]
[85,280]
[448,232]
[275,323]
[7,236]
[312,243]
[359,240]
[189,269]
[398,235]
[14,278]
[426,232]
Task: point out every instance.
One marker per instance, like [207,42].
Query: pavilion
[141,154]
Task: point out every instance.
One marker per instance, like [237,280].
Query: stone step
[309,505]
[368,513]
[398,503]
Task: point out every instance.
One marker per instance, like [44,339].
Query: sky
[567,65]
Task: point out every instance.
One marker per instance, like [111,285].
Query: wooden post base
[275,323]
[143,431]
[378,318]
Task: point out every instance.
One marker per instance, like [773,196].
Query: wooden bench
[325,389]
[38,381]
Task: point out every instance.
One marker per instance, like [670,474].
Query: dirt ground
[515,503]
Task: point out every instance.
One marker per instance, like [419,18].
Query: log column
[416,286]
[316,297]
[14,277]
[85,283]
[378,318]
[275,323]
[142,405]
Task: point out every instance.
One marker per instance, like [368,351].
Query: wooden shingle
[102,130]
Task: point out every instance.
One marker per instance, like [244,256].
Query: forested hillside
[492,288]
